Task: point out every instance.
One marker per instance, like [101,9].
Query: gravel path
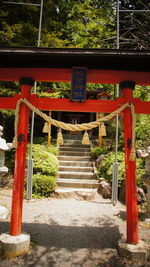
[70,232]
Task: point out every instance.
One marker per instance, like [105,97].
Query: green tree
[18,24]
[90,25]
[69,23]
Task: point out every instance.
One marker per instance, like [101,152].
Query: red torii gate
[27,65]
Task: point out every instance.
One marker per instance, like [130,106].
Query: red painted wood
[19,172]
[64,75]
[38,74]
[9,102]
[141,107]
[106,106]
[130,167]
[60,104]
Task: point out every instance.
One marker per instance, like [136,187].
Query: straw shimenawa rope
[133,150]
[74,127]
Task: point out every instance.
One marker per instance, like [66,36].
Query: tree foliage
[105,169]
[18,25]
[83,23]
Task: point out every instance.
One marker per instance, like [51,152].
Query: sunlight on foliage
[106,168]
[45,169]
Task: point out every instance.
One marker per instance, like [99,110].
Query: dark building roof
[20,57]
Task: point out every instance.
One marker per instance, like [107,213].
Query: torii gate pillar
[20,160]
[130,168]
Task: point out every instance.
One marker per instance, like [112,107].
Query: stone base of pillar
[12,246]
[138,253]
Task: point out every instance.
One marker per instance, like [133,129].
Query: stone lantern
[3,169]
[145,154]
[3,147]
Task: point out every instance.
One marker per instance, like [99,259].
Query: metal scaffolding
[116,165]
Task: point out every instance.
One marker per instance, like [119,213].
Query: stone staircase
[76,171]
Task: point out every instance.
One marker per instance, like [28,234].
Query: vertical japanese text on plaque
[79,77]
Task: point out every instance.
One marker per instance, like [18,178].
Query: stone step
[74,153]
[73,136]
[77,183]
[77,193]
[73,142]
[74,145]
[76,158]
[75,169]
[74,148]
[75,163]
[76,175]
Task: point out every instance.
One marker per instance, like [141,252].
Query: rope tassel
[85,140]
[132,156]
[102,130]
[60,138]
[14,143]
[46,127]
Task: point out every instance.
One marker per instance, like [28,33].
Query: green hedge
[97,151]
[43,185]
[106,168]
[45,169]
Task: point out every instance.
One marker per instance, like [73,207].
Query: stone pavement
[70,232]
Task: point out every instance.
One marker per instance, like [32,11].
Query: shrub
[45,161]
[40,148]
[142,130]
[45,169]
[53,149]
[106,168]
[43,185]
[97,151]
